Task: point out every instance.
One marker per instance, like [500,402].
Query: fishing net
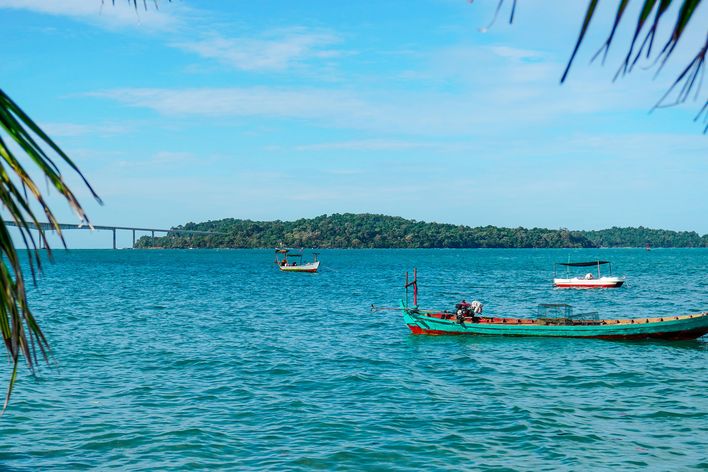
[562,313]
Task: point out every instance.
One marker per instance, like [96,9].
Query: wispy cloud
[380,145]
[276,51]
[438,114]
[525,55]
[107,15]
[247,101]
[160,159]
[461,91]
[79,129]
[427,113]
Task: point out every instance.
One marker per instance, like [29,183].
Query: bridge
[114,229]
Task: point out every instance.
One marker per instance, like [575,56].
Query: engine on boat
[466,310]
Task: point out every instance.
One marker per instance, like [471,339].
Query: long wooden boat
[466,322]
[670,328]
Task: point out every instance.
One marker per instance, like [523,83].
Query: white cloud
[383,145]
[428,113]
[160,159]
[516,53]
[77,129]
[365,145]
[276,52]
[102,13]
[255,101]
[463,91]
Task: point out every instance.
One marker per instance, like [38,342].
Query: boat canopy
[282,251]
[582,264]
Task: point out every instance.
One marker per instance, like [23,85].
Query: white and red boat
[292,262]
[588,280]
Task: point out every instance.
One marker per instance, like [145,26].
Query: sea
[213,359]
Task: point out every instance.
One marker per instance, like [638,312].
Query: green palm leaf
[20,332]
[688,80]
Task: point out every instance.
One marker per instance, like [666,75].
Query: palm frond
[691,77]
[618,17]
[134,3]
[704,113]
[586,22]
[20,332]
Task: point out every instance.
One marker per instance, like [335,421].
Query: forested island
[380,231]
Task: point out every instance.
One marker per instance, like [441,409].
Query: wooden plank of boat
[671,328]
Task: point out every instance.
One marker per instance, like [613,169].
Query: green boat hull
[672,328]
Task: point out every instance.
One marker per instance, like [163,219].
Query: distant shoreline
[372,231]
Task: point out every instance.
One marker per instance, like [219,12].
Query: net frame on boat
[562,313]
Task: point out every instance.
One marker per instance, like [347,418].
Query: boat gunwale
[683,327]
[534,321]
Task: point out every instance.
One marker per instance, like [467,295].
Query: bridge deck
[48,226]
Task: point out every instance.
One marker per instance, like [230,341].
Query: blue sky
[280,110]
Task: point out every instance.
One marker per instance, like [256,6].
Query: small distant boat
[647,247]
[288,261]
[588,280]
[552,320]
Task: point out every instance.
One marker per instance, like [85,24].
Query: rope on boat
[384,308]
[398,308]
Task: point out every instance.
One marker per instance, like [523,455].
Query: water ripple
[214,359]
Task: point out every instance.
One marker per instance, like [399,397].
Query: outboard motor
[462,310]
[460,316]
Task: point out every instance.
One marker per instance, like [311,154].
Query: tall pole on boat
[415,286]
[406,289]
[414,283]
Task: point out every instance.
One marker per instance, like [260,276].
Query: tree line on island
[380,231]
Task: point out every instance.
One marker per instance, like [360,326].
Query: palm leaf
[586,22]
[691,76]
[21,334]
[618,17]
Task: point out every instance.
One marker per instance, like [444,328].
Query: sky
[283,110]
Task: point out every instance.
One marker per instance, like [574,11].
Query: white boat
[588,280]
[289,262]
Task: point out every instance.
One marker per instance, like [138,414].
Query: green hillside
[379,231]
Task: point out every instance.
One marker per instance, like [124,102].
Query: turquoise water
[206,359]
